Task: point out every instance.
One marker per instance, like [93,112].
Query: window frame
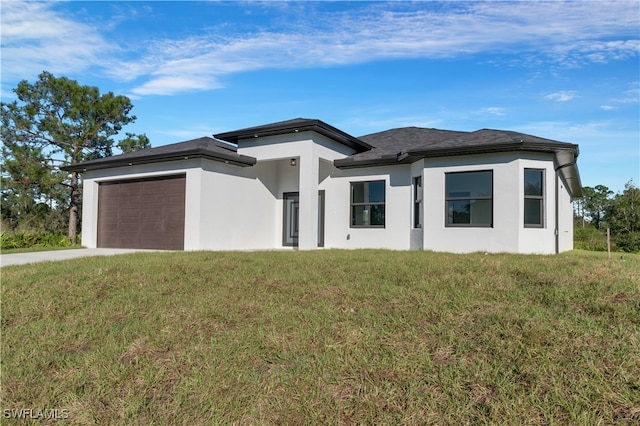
[469,198]
[526,197]
[365,203]
[417,202]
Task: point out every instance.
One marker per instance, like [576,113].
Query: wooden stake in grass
[609,243]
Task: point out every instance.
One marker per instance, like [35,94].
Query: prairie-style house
[305,184]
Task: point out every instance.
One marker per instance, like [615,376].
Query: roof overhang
[116,161]
[565,158]
[296,126]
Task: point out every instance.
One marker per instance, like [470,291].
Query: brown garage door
[143,213]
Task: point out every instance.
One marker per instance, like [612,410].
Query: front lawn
[323,337]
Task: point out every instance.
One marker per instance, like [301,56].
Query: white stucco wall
[508,233]
[396,233]
[312,153]
[238,207]
[565,217]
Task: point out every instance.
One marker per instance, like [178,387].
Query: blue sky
[568,71]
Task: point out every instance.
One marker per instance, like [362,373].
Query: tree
[134,143]
[595,202]
[578,211]
[59,120]
[623,217]
[27,186]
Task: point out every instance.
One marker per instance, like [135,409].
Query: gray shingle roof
[407,144]
[205,147]
[395,146]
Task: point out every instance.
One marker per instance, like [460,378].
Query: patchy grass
[329,337]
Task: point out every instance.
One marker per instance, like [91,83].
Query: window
[417,202]
[469,198]
[367,204]
[533,198]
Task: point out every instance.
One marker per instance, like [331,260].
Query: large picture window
[469,198]
[533,198]
[368,204]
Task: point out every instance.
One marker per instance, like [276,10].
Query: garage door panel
[142,214]
[153,199]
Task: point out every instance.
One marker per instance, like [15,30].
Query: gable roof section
[205,147]
[294,126]
[406,145]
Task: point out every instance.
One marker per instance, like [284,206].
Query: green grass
[325,337]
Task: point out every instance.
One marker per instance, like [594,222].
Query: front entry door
[291,219]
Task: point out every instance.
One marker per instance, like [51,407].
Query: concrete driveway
[47,256]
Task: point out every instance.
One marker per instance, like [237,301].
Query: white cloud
[562,96]
[36,37]
[493,111]
[350,38]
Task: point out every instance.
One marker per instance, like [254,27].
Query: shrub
[589,238]
[628,241]
[21,239]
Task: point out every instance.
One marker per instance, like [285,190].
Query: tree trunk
[73,208]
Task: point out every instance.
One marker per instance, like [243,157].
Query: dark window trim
[352,204]
[321,218]
[447,199]
[540,225]
[418,196]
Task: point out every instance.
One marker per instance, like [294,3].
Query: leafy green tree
[134,143]
[623,217]
[595,202]
[27,186]
[59,120]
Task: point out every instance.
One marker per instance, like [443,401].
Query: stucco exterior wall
[314,155]
[538,240]
[238,207]
[396,233]
[565,217]
[508,233]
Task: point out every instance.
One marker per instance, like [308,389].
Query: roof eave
[236,160]
[388,160]
[495,148]
[414,155]
[317,126]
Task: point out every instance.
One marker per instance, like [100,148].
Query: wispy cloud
[36,38]
[493,111]
[562,96]
[568,33]
[629,96]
